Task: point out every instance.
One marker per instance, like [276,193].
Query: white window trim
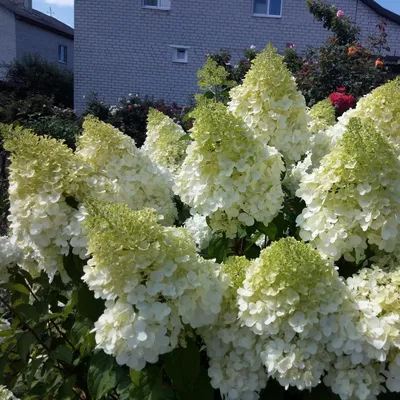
[156,7]
[65,55]
[175,48]
[268,15]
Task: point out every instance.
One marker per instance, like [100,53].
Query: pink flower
[340,14]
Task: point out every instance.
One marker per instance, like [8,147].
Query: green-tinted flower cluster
[353,198]
[228,173]
[380,108]
[41,174]
[322,116]
[163,143]
[289,295]
[234,351]
[119,172]
[270,104]
[152,274]
[213,76]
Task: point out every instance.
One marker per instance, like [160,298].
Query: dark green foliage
[130,114]
[33,75]
[39,113]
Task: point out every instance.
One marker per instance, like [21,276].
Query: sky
[64,9]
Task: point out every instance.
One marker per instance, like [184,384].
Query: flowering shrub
[200,266]
[344,60]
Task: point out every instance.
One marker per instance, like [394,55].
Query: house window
[180,54]
[159,4]
[267,8]
[62,54]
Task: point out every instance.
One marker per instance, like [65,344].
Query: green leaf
[87,305]
[150,384]
[202,389]
[62,353]
[209,95]
[16,287]
[73,265]
[101,377]
[24,343]
[185,137]
[182,366]
[271,230]
[135,376]
[28,311]
[6,333]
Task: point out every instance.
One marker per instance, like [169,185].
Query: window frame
[268,15]
[157,7]
[175,49]
[62,50]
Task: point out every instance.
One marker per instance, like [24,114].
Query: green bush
[33,75]
[37,112]
[130,114]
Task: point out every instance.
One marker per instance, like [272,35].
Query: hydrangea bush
[254,257]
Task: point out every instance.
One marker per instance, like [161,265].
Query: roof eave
[44,26]
[382,11]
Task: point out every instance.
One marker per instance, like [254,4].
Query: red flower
[342,101]
[351,51]
[332,38]
[379,63]
[130,108]
[341,89]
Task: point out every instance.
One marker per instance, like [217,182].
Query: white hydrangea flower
[234,351]
[289,293]
[120,173]
[156,275]
[163,142]
[229,174]
[353,198]
[202,233]
[41,173]
[296,172]
[376,292]
[350,382]
[6,394]
[393,375]
[270,104]
[137,337]
[10,254]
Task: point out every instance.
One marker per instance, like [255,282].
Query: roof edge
[382,11]
[44,26]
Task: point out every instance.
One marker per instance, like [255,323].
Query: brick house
[155,47]
[24,30]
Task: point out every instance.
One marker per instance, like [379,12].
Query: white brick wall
[121,48]
[8,50]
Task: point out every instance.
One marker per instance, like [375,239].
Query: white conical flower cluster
[41,173]
[234,351]
[229,174]
[153,281]
[270,104]
[288,298]
[164,144]
[353,198]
